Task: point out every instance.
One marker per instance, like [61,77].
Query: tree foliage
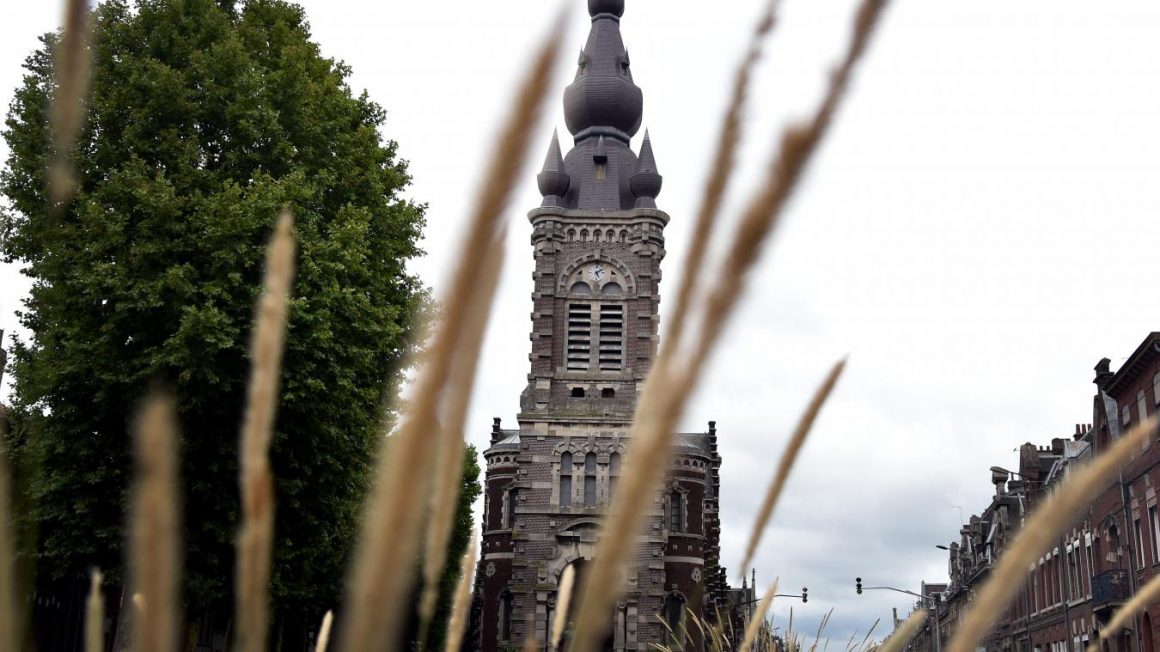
[204,119]
[461,535]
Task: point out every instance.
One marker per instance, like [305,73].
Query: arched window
[611,288]
[506,603]
[513,499]
[676,511]
[675,619]
[613,474]
[566,480]
[580,287]
[608,392]
[590,480]
[577,392]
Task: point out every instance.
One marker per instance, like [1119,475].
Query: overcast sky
[979,229]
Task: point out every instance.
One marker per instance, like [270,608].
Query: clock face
[596,272]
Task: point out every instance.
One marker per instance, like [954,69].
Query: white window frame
[1139,542]
[1154,523]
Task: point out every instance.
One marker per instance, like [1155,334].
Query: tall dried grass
[72,82]
[391,525]
[324,632]
[670,383]
[788,457]
[461,607]
[1148,594]
[256,535]
[758,619]
[94,616]
[154,550]
[563,603]
[720,172]
[906,631]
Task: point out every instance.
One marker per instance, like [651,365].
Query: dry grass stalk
[906,631]
[324,632]
[154,553]
[462,604]
[392,522]
[788,457]
[1040,532]
[256,534]
[866,638]
[798,144]
[94,617]
[719,175]
[563,602]
[667,389]
[1148,594]
[72,82]
[758,618]
[450,441]
[9,620]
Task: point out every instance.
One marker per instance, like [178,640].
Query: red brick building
[1097,565]
[1125,517]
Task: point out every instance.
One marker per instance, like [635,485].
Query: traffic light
[805,594]
[858,585]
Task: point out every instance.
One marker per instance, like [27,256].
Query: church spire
[602,100]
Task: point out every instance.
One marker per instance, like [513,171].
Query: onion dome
[603,100]
[553,180]
[645,183]
[614,7]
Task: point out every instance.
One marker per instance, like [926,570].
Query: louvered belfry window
[595,336]
[611,336]
[579,336]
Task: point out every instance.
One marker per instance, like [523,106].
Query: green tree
[461,535]
[203,120]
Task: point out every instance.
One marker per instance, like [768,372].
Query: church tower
[598,241]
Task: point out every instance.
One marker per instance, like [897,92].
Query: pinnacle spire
[645,183]
[553,180]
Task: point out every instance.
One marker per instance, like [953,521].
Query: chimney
[999,479]
[496,430]
[1057,446]
[1103,373]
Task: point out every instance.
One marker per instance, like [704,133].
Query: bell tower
[598,241]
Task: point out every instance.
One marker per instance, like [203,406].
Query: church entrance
[608,644]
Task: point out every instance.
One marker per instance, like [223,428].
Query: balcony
[1110,588]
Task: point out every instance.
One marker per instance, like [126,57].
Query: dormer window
[622,64]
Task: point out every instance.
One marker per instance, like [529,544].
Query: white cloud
[979,229]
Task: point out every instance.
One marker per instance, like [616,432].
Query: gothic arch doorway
[581,567]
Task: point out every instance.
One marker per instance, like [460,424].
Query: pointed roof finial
[553,180]
[646,182]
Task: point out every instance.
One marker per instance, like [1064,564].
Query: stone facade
[598,242]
